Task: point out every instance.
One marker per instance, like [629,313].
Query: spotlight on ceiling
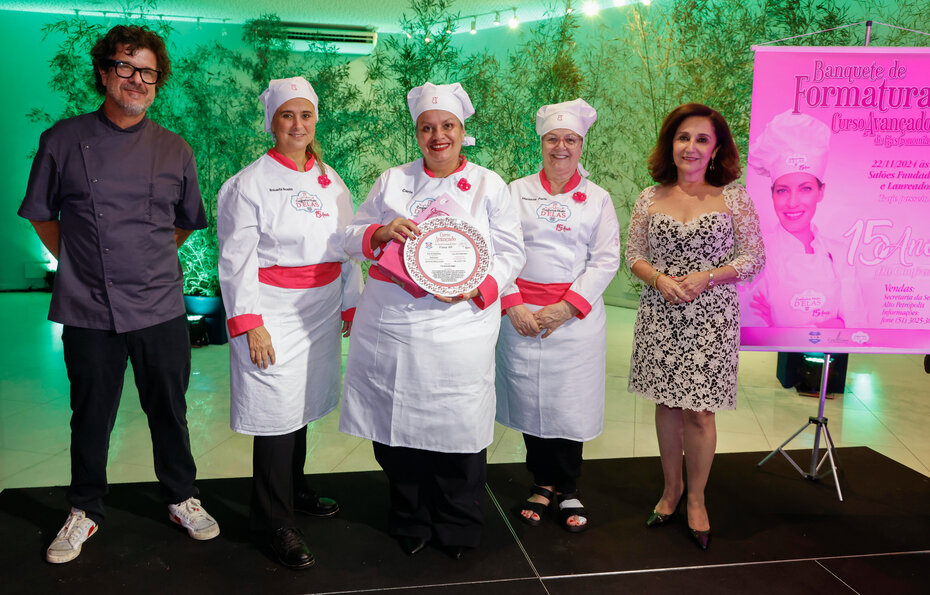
[474,26]
[591,8]
[497,18]
[514,22]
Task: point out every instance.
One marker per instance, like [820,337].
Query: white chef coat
[805,290]
[420,372]
[271,215]
[554,387]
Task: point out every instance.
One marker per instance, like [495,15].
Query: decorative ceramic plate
[448,258]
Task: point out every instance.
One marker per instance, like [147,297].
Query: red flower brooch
[324,180]
[579,197]
[463,184]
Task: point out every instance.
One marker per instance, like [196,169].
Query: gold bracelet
[655,277]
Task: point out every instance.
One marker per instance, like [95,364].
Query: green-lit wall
[24,72]
[25,76]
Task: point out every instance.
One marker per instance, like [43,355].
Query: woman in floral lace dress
[692,236]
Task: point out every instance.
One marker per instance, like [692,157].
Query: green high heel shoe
[657,518]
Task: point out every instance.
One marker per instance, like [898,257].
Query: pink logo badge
[324,180]
[464,185]
[579,197]
[559,117]
[293,87]
[435,99]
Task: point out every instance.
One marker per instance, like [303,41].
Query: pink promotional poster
[839,170]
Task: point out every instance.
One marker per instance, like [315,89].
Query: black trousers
[435,495]
[554,462]
[277,474]
[96,364]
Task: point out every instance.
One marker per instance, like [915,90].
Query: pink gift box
[391,262]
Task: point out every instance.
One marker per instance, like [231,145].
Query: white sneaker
[190,515]
[67,544]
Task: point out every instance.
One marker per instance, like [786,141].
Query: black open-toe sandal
[538,507]
[570,506]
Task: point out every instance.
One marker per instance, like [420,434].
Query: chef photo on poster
[807,281]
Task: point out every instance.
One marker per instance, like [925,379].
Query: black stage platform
[774,532]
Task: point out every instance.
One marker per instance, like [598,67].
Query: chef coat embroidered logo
[415,207]
[797,160]
[304,201]
[553,212]
[809,301]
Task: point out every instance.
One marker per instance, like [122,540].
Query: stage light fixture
[514,22]
[591,8]
[474,26]
[647,2]
[497,18]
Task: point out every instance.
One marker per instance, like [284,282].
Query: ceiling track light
[514,22]
[474,26]
[497,18]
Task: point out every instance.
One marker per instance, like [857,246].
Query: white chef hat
[576,115]
[280,91]
[791,143]
[451,98]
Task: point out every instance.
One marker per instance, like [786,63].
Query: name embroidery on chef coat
[810,302]
[553,212]
[304,201]
[415,207]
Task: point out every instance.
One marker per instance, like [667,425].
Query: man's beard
[134,108]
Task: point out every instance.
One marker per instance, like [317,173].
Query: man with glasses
[113,195]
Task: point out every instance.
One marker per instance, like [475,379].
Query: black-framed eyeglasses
[125,70]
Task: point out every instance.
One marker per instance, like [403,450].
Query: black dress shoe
[411,544]
[310,503]
[701,538]
[288,545]
[657,518]
[456,552]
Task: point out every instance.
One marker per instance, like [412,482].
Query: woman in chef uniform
[289,290]
[807,282]
[551,363]
[419,379]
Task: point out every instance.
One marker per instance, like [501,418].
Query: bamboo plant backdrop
[634,71]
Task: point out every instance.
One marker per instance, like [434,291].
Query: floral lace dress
[686,355]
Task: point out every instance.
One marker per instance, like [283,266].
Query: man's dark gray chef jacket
[119,195]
